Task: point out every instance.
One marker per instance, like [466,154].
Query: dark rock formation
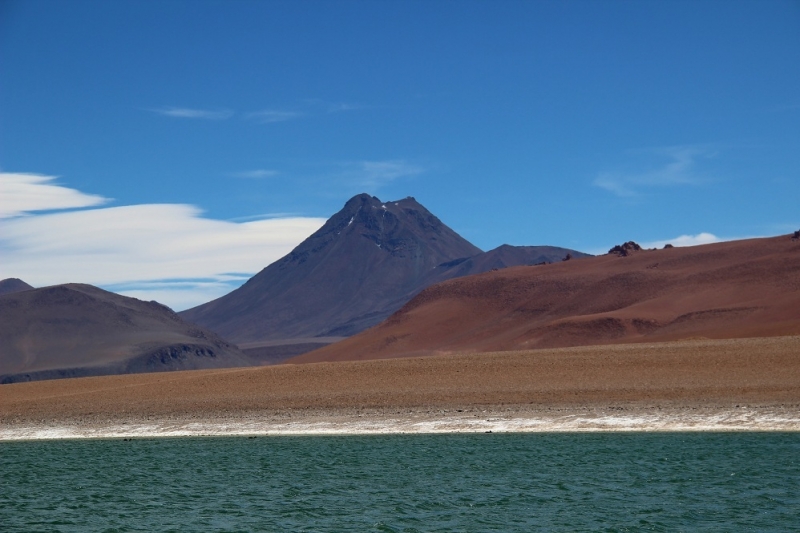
[624,250]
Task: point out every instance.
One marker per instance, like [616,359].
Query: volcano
[363,264]
[366,262]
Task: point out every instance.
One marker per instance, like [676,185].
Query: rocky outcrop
[625,249]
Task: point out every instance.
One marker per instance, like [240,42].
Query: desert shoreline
[488,419]
[691,385]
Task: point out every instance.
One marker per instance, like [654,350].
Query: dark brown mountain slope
[80,330]
[365,262]
[745,288]
[7,286]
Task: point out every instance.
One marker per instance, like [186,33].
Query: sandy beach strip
[696,385]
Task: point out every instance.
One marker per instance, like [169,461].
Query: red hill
[745,288]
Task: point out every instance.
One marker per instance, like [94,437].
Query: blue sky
[171,149]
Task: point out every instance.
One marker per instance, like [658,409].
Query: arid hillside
[686,375]
[11,285]
[747,288]
[80,330]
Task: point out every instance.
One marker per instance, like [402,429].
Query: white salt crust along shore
[730,419]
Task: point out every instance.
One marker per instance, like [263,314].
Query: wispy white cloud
[375,174]
[27,193]
[140,246]
[680,168]
[679,241]
[269,116]
[342,107]
[317,105]
[185,112]
[614,183]
[686,240]
[309,107]
[182,293]
[263,216]
[255,174]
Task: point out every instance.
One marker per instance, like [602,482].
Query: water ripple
[406,483]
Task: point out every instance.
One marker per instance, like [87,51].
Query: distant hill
[503,257]
[79,330]
[367,261]
[745,288]
[7,286]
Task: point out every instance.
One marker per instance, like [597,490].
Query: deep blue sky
[579,124]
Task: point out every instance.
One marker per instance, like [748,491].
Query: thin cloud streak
[679,170]
[614,183]
[263,216]
[375,174]
[264,116]
[256,174]
[180,298]
[22,193]
[319,105]
[185,112]
[181,294]
[270,116]
[343,107]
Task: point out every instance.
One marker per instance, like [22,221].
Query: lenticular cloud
[133,246]
[26,193]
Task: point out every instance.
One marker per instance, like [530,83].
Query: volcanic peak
[395,227]
[364,263]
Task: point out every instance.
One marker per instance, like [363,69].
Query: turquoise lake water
[479,482]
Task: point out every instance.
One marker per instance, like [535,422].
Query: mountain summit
[363,264]
[366,262]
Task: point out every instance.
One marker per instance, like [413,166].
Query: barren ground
[696,384]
